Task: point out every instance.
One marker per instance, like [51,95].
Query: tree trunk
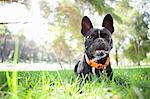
[116,56]
[58,58]
[21,52]
[4,47]
[138,51]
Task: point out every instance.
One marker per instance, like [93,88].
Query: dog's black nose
[100,40]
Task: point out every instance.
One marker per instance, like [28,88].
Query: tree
[138,47]
[62,51]
[4,33]
[144,8]
[122,9]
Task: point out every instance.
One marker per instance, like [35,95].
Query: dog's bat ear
[86,25]
[108,23]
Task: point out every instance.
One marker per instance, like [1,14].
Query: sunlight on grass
[127,83]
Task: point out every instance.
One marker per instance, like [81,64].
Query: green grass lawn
[126,84]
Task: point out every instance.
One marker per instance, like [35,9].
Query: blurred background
[48,31]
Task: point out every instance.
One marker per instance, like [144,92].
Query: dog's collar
[93,64]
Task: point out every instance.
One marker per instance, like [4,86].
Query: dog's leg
[83,79]
[76,67]
[84,71]
[109,72]
[97,72]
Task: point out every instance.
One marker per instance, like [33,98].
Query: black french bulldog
[98,43]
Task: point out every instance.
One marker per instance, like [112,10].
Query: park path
[48,67]
[34,67]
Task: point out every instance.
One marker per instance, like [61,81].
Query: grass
[126,84]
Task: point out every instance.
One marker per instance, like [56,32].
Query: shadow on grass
[122,81]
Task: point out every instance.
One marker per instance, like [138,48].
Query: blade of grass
[8,79]
[14,81]
[60,80]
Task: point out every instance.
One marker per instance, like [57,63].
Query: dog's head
[98,42]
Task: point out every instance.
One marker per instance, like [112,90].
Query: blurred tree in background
[63,17]
[138,46]
[4,33]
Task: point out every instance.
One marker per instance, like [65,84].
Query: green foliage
[70,15]
[69,19]
[131,51]
[62,49]
[133,28]
[139,46]
[45,8]
[2,29]
[99,5]
[103,8]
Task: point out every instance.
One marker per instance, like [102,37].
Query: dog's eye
[103,35]
[89,37]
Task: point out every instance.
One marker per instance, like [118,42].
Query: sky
[36,27]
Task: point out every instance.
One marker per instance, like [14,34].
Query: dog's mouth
[99,54]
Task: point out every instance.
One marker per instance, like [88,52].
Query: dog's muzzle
[101,53]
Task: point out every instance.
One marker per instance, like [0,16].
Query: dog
[98,43]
